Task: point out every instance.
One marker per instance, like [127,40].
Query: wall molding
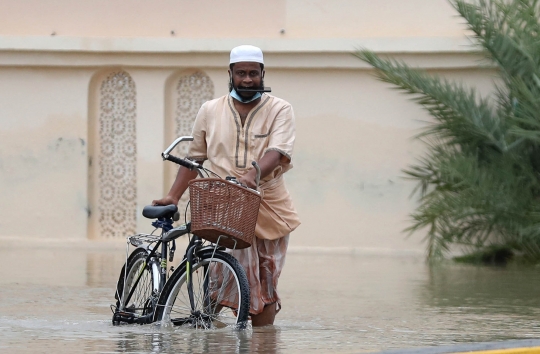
[326,53]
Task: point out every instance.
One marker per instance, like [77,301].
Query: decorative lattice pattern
[117,184]
[191,92]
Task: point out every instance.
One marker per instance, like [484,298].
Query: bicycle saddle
[159,211]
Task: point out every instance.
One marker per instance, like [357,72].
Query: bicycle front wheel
[136,294]
[220,293]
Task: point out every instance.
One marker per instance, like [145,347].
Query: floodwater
[55,299]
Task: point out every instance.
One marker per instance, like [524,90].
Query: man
[230,132]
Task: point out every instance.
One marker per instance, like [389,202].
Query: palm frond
[478,183]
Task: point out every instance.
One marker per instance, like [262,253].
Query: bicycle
[208,289]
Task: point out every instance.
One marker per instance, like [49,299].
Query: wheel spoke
[215,283]
[141,296]
[135,290]
[186,303]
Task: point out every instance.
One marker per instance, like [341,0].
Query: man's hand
[267,163]
[178,188]
[168,200]
[248,179]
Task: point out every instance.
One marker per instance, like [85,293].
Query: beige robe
[229,147]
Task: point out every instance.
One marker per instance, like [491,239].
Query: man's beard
[246,95]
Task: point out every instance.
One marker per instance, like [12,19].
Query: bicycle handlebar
[194,165]
[176,142]
[182,162]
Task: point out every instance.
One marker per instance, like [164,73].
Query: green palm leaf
[479,182]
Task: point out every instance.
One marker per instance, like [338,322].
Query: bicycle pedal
[123,317]
[130,318]
[181,321]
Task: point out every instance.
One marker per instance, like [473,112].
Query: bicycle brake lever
[258,177]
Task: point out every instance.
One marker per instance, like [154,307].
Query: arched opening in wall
[186,91]
[112,189]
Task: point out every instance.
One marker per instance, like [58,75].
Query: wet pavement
[55,298]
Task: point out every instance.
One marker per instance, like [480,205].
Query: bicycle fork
[197,317]
[189,275]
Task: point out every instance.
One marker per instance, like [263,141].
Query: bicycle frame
[168,234]
[160,279]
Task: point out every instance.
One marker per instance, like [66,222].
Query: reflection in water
[483,289]
[482,303]
[103,268]
[261,340]
[59,302]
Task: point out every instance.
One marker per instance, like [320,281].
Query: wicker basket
[220,207]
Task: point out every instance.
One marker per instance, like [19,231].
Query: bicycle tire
[221,294]
[139,307]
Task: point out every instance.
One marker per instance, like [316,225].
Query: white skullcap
[246,53]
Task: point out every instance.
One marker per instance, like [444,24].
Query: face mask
[237,97]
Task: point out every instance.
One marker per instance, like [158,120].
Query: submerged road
[55,298]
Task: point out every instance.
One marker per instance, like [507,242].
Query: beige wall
[43,151]
[348,183]
[229,19]
[354,134]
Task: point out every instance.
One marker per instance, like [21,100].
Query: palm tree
[479,182]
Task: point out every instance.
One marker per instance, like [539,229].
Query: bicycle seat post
[165,224]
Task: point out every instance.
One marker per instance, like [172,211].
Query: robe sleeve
[282,134]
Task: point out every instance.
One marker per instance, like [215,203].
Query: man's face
[247,75]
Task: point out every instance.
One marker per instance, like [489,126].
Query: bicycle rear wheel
[135,293]
[220,293]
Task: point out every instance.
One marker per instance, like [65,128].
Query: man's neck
[244,108]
